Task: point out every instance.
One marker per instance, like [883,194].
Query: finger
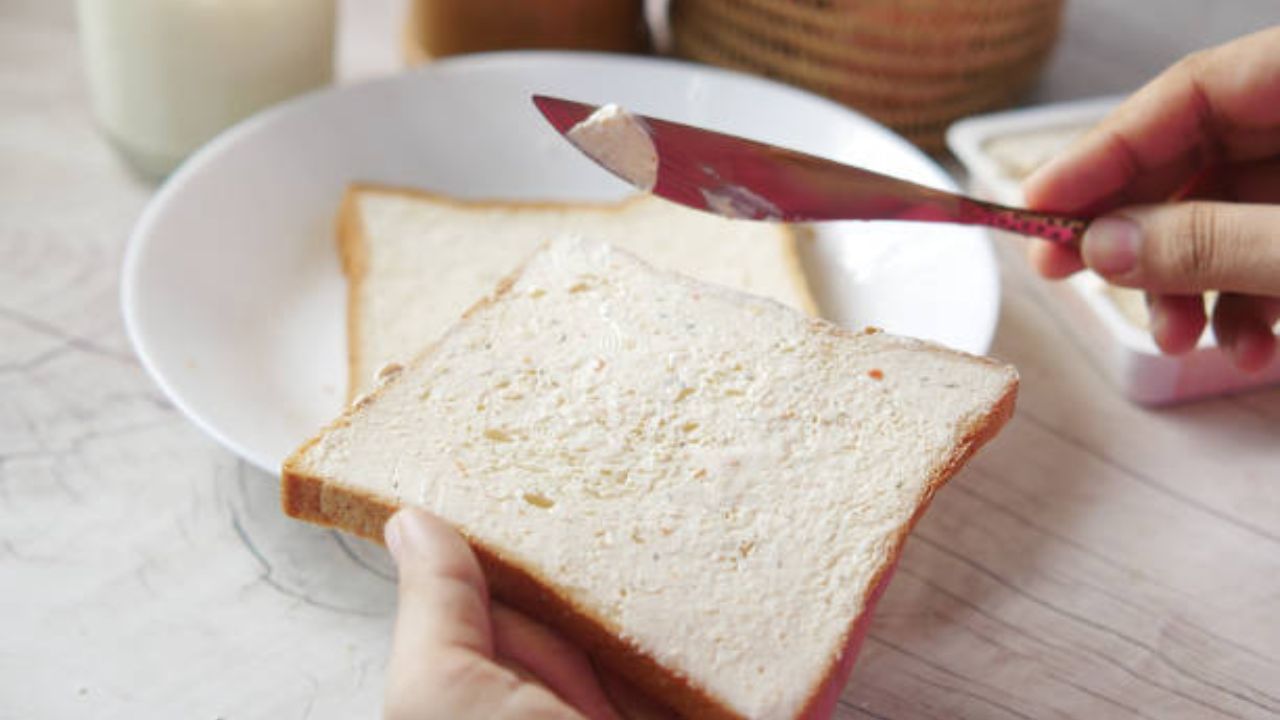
[1243,326]
[1053,260]
[1188,248]
[442,639]
[441,652]
[443,600]
[1221,104]
[559,665]
[1177,321]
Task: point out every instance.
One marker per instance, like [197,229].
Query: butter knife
[740,178]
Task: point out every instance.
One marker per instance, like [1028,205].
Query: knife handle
[1056,228]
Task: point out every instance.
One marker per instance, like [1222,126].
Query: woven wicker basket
[915,65]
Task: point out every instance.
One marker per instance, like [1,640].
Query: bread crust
[354,253]
[353,248]
[798,235]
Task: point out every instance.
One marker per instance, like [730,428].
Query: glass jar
[167,75]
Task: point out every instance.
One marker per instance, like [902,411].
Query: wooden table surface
[1099,560]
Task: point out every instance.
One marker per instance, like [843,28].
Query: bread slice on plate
[704,488]
[415,261]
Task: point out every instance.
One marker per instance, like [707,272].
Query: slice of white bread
[704,488]
[415,261]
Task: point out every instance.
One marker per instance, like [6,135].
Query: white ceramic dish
[1126,352]
[232,291]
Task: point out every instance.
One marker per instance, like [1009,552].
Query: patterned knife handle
[1057,228]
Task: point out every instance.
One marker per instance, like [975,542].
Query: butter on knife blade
[621,142]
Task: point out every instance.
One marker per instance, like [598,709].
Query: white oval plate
[232,291]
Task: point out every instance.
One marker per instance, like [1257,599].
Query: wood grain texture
[1097,561]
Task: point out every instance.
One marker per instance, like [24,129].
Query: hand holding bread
[456,656]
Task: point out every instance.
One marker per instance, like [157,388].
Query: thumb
[443,603]
[442,628]
[1188,247]
[442,652]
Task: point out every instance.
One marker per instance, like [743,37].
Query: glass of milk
[167,75]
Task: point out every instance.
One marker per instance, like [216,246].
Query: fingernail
[407,534]
[1111,245]
[391,536]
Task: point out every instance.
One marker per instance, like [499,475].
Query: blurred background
[916,66]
